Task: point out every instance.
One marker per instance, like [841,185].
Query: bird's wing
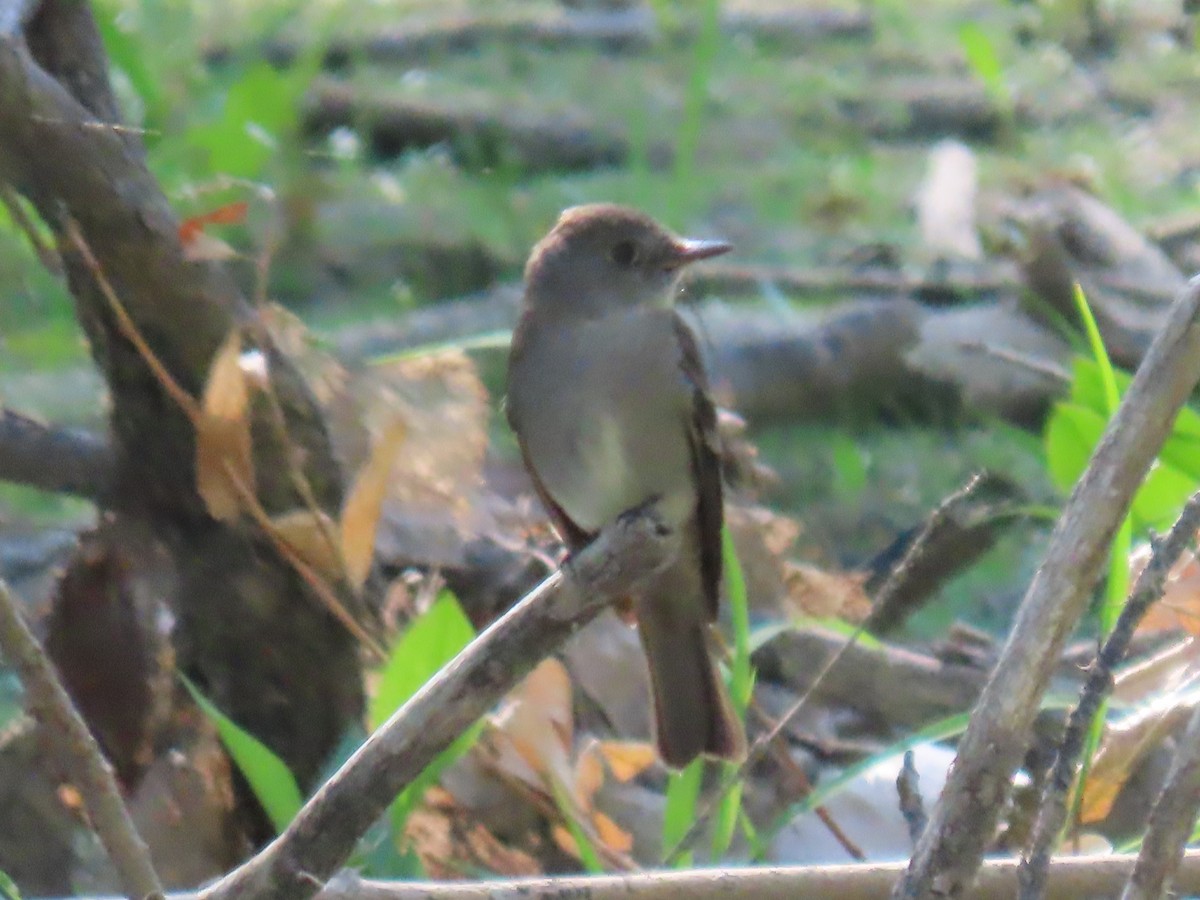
[705,445]
[572,534]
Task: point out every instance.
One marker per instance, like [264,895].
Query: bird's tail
[693,713]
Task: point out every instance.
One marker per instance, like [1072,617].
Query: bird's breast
[601,417]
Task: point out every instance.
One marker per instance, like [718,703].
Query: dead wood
[62,460]
[616,31]
[888,686]
[477,138]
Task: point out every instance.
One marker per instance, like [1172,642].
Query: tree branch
[1052,812]
[63,460]
[86,766]
[964,819]
[323,835]
[1171,821]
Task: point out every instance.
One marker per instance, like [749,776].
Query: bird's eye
[624,253]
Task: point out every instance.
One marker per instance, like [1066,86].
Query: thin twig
[1171,822]
[798,785]
[316,583]
[86,766]
[185,401]
[1052,812]
[48,256]
[965,817]
[886,613]
[324,833]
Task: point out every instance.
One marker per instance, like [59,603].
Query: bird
[610,405]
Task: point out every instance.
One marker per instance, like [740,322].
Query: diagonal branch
[86,766]
[324,834]
[965,817]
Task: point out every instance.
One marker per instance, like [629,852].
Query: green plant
[432,640]
[268,776]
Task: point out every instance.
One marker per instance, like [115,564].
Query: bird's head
[601,257]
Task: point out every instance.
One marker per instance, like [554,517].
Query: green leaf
[741,686]
[8,887]
[430,642]
[269,777]
[980,51]
[259,112]
[1071,434]
[683,789]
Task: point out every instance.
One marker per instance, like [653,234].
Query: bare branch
[1171,822]
[53,459]
[1052,811]
[89,771]
[965,817]
[323,835]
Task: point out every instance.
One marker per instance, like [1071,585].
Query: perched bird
[610,405]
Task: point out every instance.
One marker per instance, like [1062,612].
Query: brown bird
[610,404]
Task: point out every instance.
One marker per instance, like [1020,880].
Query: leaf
[229,214]
[260,107]
[627,759]
[1125,744]
[224,450]
[8,888]
[683,789]
[310,535]
[431,641]
[360,515]
[534,728]
[611,834]
[206,248]
[269,777]
[1071,434]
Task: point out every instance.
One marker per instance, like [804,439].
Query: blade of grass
[1117,587]
[588,854]
[741,686]
[683,789]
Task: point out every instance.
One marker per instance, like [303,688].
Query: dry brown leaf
[206,248]
[613,835]
[360,515]
[588,775]
[1179,608]
[562,836]
[814,592]
[309,534]
[1167,670]
[224,450]
[1124,745]
[533,730]
[627,759]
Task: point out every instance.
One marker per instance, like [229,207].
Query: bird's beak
[684,251]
